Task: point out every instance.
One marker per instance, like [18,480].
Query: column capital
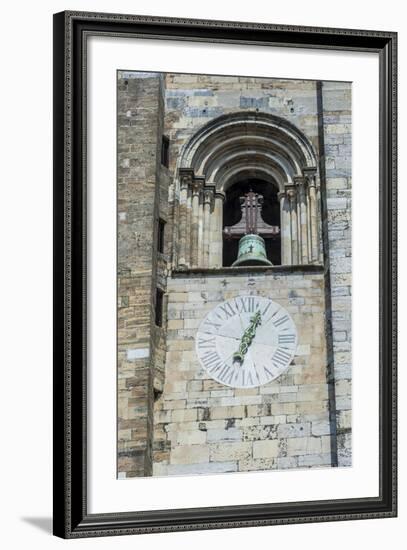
[309,170]
[197,184]
[208,194]
[312,180]
[220,195]
[186,176]
[310,174]
[291,191]
[301,183]
[299,180]
[196,187]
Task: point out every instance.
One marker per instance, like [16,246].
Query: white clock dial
[246,342]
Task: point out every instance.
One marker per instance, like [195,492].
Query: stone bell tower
[233,193]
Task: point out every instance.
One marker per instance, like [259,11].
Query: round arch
[264,140]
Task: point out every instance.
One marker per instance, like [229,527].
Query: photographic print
[234,274]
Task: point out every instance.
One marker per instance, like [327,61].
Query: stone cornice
[241,270]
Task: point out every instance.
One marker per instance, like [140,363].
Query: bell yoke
[252,248]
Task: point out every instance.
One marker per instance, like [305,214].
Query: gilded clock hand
[247,337]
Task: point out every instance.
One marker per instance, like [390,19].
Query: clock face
[246,342]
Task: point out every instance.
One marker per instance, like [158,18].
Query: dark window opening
[165,151]
[157,394]
[160,236]
[159,307]
[270,212]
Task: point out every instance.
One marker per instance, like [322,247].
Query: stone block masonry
[335,127]
[141,182]
[202,426]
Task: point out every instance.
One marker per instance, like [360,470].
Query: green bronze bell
[252,251]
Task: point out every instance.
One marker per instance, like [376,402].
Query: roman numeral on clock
[211,360]
[212,324]
[204,343]
[286,339]
[280,321]
[226,374]
[227,309]
[250,378]
[280,358]
[265,310]
[246,304]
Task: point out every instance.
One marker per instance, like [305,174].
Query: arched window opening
[268,222]
[225,160]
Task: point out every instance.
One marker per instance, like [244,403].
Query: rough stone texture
[141,345]
[173,419]
[337,142]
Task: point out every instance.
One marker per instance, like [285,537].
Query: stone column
[196,191]
[313,218]
[292,197]
[298,217]
[216,244]
[183,230]
[200,230]
[319,226]
[309,237]
[189,222]
[285,228]
[207,206]
[303,220]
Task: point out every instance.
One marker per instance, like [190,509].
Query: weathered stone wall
[202,426]
[336,104]
[193,100]
[140,116]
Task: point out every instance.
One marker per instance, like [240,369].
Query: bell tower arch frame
[247,145]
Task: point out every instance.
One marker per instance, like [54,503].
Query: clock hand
[247,337]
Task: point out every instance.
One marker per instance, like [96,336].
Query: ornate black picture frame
[71,518]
